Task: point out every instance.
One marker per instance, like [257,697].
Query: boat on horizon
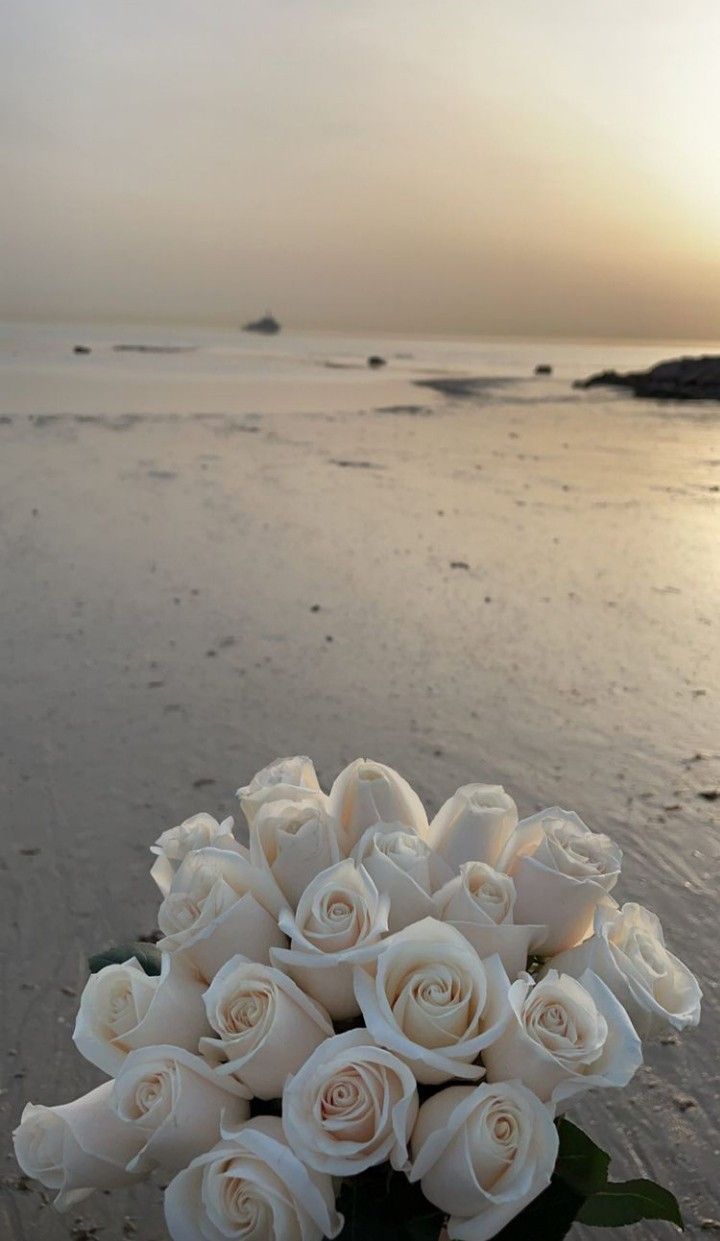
[268,325]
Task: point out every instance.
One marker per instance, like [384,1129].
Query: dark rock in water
[543,369]
[376,360]
[267,325]
[81,349]
[414,411]
[154,348]
[680,379]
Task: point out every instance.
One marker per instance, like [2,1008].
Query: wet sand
[493,588]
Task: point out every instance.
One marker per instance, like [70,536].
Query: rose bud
[294,840]
[366,793]
[198,832]
[286,779]
[474,825]
[562,871]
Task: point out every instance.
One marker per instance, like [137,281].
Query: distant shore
[676,379]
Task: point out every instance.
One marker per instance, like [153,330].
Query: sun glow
[474,167]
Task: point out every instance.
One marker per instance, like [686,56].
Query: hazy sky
[421,165]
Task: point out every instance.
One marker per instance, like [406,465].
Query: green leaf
[580,1163]
[147,955]
[629,1202]
[549,1217]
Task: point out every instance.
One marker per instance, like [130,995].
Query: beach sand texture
[208,562]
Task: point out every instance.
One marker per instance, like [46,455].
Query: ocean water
[219,370]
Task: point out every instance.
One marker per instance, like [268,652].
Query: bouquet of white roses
[366,1024]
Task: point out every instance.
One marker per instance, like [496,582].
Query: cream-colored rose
[482,1154]
[173,845]
[285,779]
[477,889]
[266,1026]
[174,1102]
[294,840]
[628,953]
[565,1037]
[352,1105]
[474,825]
[338,924]
[219,905]
[251,1186]
[479,903]
[366,793]
[77,1147]
[562,871]
[122,1008]
[401,864]
[430,999]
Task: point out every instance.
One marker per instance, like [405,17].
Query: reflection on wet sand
[515,588]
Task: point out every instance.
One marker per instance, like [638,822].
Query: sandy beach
[201,572]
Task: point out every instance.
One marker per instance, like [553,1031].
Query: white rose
[628,953]
[77,1147]
[562,871]
[482,1154]
[122,1008]
[352,1105]
[195,833]
[430,999]
[366,793]
[338,924]
[401,864]
[474,825]
[479,903]
[174,1102]
[477,889]
[565,1037]
[285,779]
[251,1186]
[219,905]
[294,840]
[267,1026]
